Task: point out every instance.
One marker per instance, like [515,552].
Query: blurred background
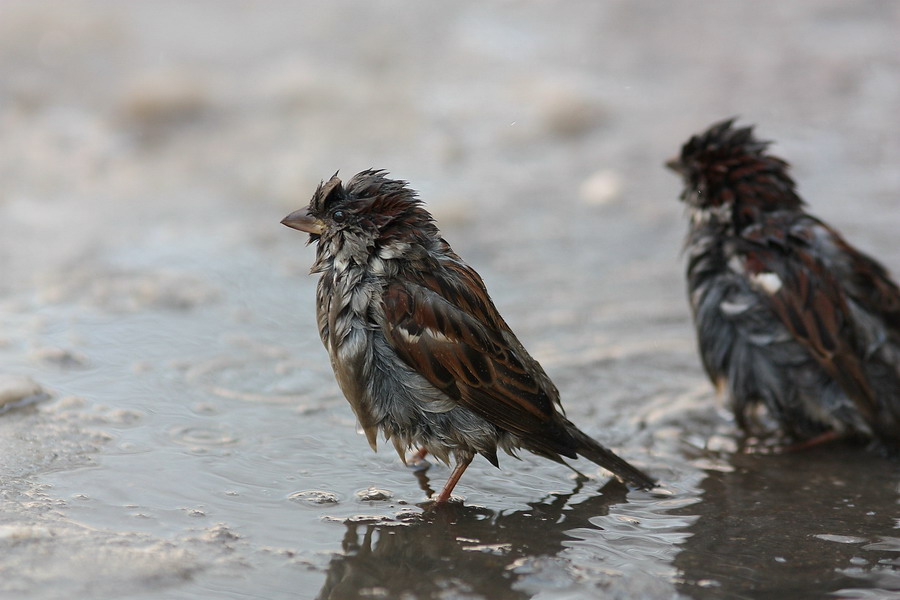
[169,419]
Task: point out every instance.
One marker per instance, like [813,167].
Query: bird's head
[727,167]
[371,214]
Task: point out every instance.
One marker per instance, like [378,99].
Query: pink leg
[458,470]
[822,438]
[416,460]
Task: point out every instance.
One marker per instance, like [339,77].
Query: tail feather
[593,451]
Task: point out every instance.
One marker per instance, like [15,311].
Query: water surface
[192,442]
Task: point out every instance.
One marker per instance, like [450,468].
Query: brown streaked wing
[465,358]
[873,287]
[812,305]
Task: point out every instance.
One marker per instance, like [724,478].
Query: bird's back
[785,318]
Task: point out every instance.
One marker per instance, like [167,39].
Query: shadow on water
[810,524]
[457,548]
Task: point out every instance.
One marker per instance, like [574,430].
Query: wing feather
[813,305]
[459,343]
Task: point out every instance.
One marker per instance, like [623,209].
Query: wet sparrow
[789,316]
[415,342]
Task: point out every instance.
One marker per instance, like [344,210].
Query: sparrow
[415,342]
[791,319]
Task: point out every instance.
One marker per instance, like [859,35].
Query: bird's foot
[460,468]
[822,438]
[780,445]
[763,445]
[417,461]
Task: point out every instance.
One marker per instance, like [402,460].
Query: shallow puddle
[191,441]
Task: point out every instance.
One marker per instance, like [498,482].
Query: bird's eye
[339,216]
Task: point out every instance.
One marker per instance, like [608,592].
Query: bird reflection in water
[459,548]
[798,524]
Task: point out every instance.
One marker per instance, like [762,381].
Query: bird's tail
[593,451]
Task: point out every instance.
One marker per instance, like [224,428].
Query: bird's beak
[674,164]
[300,220]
